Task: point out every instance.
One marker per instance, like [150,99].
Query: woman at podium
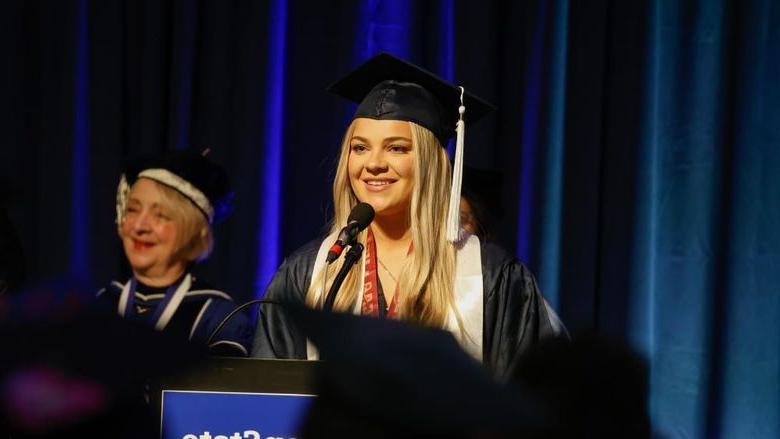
[166,207]
[418,265]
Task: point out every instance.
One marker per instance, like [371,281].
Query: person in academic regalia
[166,207]
[419,265]
[480,201]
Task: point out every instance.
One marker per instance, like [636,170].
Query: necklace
[388,271]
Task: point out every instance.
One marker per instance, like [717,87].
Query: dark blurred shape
[39,397]
[482,190]
[12,266]
[70,369]
[384,378]
[595,387]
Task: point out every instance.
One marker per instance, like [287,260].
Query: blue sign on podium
[231,415]
[236,398]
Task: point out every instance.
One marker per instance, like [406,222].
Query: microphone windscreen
[363,214]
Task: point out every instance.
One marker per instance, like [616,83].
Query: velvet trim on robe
[195,318]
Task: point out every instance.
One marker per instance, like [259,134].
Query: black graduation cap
[385,378]
[195,176]
[389,88]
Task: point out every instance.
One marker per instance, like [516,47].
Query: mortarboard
[193,175]
[389,88]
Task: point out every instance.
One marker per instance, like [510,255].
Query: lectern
[235,398]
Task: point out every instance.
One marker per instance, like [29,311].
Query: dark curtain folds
[639,144]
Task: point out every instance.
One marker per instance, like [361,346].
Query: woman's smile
[139,245]
[378,184]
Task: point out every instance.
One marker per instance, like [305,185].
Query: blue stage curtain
[670,204]
[639,143]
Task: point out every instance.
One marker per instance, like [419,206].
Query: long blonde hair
[426,282]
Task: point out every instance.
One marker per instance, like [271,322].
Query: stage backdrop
[639,143]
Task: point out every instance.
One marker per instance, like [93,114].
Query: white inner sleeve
[468,295]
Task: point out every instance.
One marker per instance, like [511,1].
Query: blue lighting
[446,52]
[271,179]
[447,32]
[530,140]
[383,26]
[542,151]
[551,203]
[185,57]
[79,215]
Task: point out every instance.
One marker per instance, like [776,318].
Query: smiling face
[381,165]
[149,233]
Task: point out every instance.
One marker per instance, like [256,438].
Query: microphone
[360,217]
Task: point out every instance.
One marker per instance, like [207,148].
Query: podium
[235,398]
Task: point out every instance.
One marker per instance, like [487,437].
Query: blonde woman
[166,207]
[417,265]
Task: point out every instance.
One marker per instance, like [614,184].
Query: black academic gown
[515,314]
[198,315]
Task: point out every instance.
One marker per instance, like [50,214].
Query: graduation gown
[198,314]
[515,314]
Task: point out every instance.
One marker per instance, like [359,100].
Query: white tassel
[453,215]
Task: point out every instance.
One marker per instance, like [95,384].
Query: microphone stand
[352,256]
[235,311]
